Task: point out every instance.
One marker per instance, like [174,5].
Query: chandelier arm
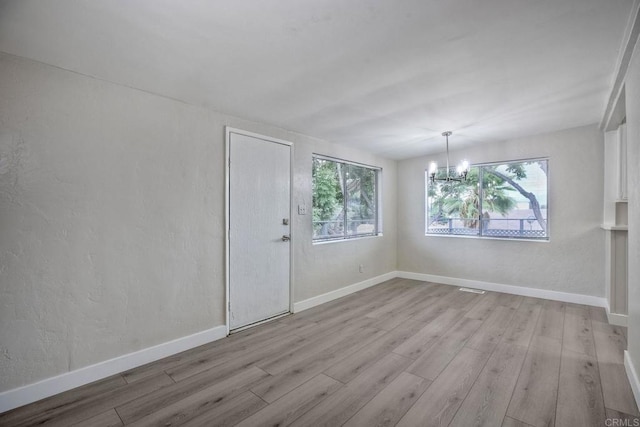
[461,172]
[447,136]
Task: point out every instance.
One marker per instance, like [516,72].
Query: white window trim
[379,231]
[546,239]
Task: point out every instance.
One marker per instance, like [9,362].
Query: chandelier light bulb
[433,168]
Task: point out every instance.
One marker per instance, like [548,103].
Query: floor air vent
[473,291]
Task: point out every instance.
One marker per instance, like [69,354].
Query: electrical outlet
[302,209]
[361,268]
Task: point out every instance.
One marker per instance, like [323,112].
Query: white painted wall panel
[112,221]
[632,92]
[111,210]
[572,261]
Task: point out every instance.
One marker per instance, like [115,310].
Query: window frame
[378,206]
[479,234]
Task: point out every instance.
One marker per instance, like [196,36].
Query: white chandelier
[462,170]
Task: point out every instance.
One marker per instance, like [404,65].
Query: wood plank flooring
[403,353]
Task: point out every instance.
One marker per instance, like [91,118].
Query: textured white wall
[632,96]
[112,221]
[573,260]
[330,266]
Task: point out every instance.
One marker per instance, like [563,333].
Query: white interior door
[259,230]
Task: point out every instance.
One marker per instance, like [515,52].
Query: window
[345,199]
[499,200]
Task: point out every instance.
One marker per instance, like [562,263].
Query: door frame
[227,190]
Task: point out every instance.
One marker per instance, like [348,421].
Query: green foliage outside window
[345,200]
[506,200]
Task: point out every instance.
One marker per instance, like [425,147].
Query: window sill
[350,239]
[614,227]
[507,239]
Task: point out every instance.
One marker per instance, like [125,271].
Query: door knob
[285,238]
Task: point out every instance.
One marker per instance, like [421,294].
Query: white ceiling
[385,76]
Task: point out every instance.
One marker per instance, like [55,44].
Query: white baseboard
[616,319]
[33,392]
[30,393]
[339,293]
[633,376]
[487,286]
[508,289]
[17,397]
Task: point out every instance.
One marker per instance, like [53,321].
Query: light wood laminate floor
[403,353]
